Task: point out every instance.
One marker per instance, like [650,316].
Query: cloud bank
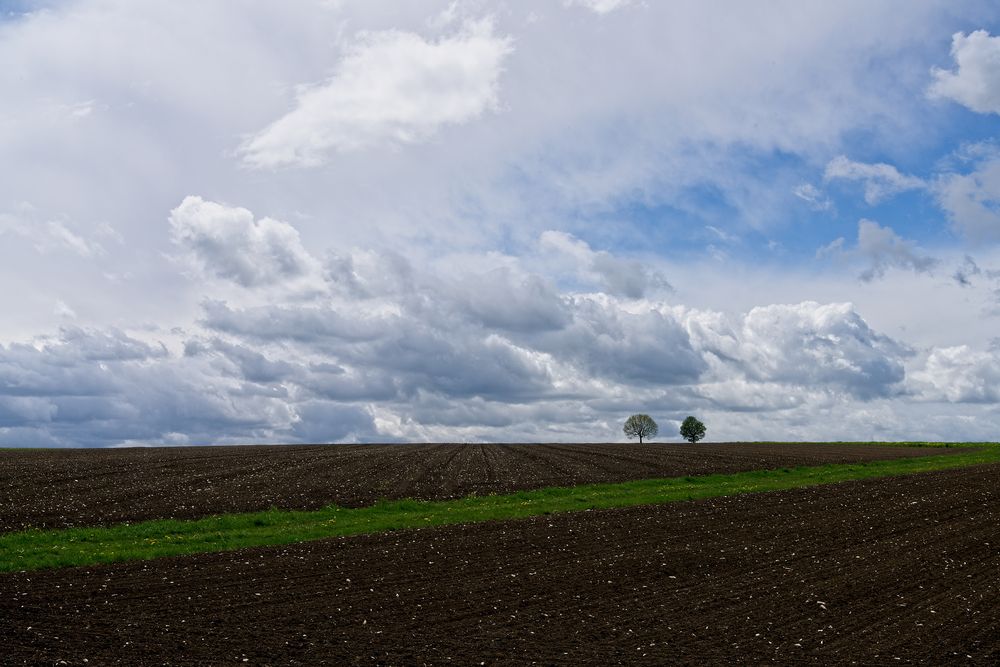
[385,350]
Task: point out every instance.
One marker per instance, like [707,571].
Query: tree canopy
[640,426]
[692,430]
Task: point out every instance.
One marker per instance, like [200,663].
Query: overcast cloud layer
[317,221]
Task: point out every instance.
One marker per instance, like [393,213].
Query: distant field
[884,571]
[64,488]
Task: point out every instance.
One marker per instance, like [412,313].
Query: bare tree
[640,426]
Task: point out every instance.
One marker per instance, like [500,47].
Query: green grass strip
[880,443]
[40,549]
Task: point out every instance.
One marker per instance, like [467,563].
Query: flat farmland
[887,571]
[65,488]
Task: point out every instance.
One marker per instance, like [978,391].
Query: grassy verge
[37,549]
[880,443]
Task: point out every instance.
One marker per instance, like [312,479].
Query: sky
[337,221]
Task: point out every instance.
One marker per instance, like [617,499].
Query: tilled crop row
[64,488]
[887,571]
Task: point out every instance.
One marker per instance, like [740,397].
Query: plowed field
[62,488]
[885,571]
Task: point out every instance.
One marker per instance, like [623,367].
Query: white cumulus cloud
[392,87]
[820,345]
[228,243]
[976,81]
[959,374]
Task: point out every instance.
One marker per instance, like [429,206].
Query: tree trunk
[640,438]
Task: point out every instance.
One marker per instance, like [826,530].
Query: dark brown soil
[62,488]
[884,571]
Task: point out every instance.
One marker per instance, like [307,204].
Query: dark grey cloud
[606,340]
[964,273]
[328,421]
[308,323]
[241,361]
[429,376]
[87,387]
[502,300]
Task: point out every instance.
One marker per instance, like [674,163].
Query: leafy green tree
[692,430]
[640,426]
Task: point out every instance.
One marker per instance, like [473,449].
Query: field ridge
[74,488]
[37,549]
